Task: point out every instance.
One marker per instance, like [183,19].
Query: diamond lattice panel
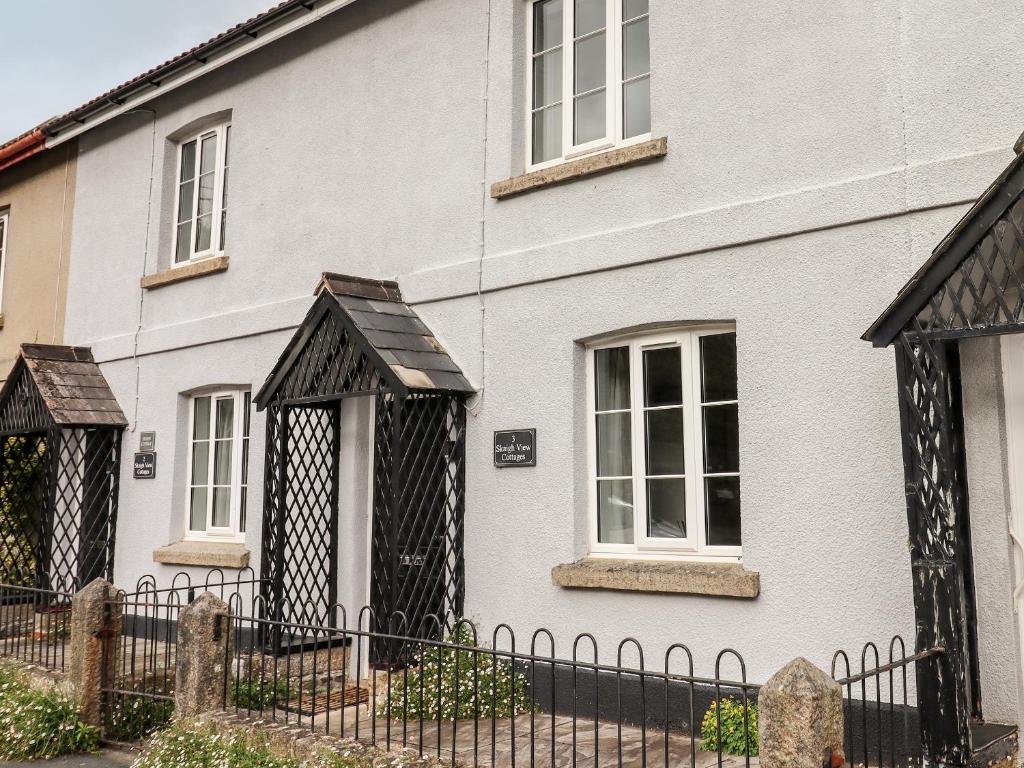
[987,288]
[23,490]
[310,531]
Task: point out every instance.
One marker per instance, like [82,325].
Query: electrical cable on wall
[474,408]
[145,262]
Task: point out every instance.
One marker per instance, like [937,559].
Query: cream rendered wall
[39,195]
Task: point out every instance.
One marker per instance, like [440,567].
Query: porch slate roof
[70,383]
[396,341]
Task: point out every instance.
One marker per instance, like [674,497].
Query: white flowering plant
[455,683]
[39,723]
[196,745]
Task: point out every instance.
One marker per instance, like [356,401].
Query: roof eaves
[260,30]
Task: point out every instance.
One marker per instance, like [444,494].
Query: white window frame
[216,234]
[240,443]
[613,87]
[644,547]
[5,220]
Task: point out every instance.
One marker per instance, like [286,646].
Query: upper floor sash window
[202,195]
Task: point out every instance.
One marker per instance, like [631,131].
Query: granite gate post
[204,639]
[800,717]
[96,620]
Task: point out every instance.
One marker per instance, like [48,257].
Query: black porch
[360,339]
[972,285]
[61,430]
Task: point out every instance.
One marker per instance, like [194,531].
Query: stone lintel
[209,554]
[620,157]
[685,577]
[187,271]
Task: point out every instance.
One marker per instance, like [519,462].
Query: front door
[1013,398]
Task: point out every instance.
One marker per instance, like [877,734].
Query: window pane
[547,25]
[184,239]
[636,108]
[222,462]
[208,158]
[590,64]
[633,8]
[722,501]
[590,117]
[589,16]
[611,374]
[200,463]
[663,376]
[636,50]
[547,79]
[547,134]
[666,508]
[224,213]
[614,454]
[201,431]
[243,505]
[665,442]
[203,232]
[718,367]
[246,412]
[221,507]
[185,194]
[225,417]
[197,510]
[615,511]
[721,439]
[205,203]
[188,162]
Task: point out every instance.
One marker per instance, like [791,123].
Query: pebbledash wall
[816,155]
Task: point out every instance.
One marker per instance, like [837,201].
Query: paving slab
[105,759]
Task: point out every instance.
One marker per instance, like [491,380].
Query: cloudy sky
[59,53]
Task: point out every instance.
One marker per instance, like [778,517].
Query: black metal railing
[35,625]
[464,698]
[880,717]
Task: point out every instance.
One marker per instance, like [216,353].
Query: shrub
[252,693]
[732,728]
[39,724]
[417,693]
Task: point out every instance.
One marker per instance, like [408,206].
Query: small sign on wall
[515,448]
[145,465]
[147,442]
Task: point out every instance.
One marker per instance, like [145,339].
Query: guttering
[237,42]
[22,148]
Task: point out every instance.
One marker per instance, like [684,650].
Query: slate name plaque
[144,467]
[515,448]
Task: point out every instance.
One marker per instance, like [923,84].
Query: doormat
[321,702]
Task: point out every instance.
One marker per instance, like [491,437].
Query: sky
[57,54]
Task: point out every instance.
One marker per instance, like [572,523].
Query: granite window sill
[200,268]
[677,577]
[209,554]
[601,162]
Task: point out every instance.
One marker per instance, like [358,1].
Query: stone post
[204,638]
[800,717]
[96,617]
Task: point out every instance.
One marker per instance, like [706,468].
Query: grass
[39,723]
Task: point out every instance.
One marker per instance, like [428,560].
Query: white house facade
[648,236]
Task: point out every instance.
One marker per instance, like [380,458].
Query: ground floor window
[218,472]
[664,444]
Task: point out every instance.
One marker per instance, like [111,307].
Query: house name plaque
[144,467]
[515,448]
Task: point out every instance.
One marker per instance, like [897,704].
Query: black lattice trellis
[58,471]
[416,573]
[972,285]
